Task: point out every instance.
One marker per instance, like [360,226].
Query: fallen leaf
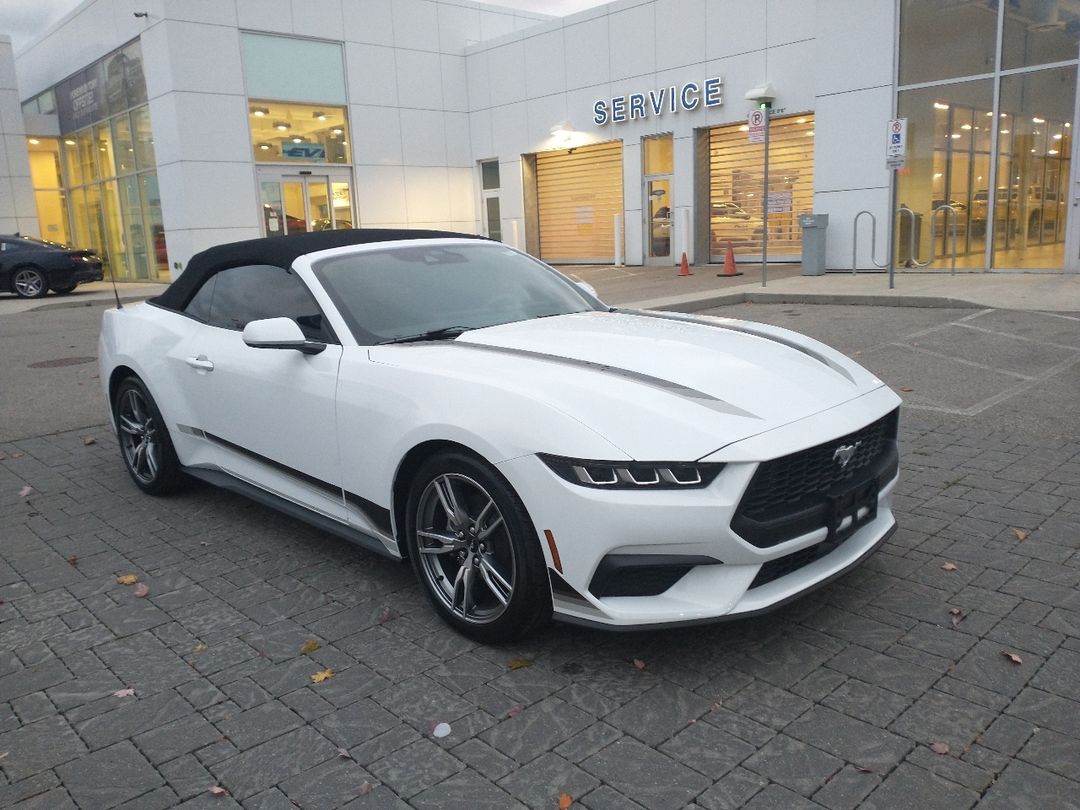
[199,648]
[948,567]
[939,747]
[386,615]
[441,730]
[638,663]
[124,693]
[861,769]
[310,646]
[17,455]
[88,440]
[73,561]
[127,579]
[515,711]
[26,491]
[4,754]
[1021,535]
[957,616]
[1016,659]
[907,390]
[344,754]
[519,663]
[217,790]
[322,675]
[365,789]
[565,800]
[141,590]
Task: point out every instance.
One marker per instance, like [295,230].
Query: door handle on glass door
[200,363]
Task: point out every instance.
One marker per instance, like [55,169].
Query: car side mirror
[279,333]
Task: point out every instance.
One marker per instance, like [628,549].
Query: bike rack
[873,241]
[901,211]
[950,216]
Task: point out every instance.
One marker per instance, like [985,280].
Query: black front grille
[788,496]
[774,569]
[642,574]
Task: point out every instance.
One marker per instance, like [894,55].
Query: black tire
[29,282]
[145,444]
[489,553]
[66,289]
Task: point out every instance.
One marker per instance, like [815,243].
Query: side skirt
[221,479]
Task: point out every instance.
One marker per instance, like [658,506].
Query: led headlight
[633,474]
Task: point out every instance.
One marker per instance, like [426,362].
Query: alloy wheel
[139,438]
[466,553]
[29,283]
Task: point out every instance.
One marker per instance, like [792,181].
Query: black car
[30,267]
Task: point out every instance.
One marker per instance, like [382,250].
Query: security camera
[765,94]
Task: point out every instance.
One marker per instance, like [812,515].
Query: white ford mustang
[531,451]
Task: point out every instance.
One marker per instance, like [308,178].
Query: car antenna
[116,292]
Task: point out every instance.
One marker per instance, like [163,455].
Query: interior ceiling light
[939,106]
[282,126]
[337,131]
[966,126]
[35,141]
[69,141]
[1004,132]
[1038,120]
[319,116]
[264,146]
[1057,136]
[1051,151]
[297,140]
[260,111]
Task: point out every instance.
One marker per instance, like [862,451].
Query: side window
[243,294]
[199,306]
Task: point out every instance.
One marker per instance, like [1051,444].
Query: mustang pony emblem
[844,454]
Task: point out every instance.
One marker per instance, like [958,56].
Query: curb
[695,303]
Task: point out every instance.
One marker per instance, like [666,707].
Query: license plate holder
[849,503]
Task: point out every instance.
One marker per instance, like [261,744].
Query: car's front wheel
[145,444]
[29,282]
[474,549]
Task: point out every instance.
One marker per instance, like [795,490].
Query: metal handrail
[950,214]
[873,241]
[903,209]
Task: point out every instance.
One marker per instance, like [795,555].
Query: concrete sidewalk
[664,288]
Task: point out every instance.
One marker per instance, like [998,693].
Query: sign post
[895,158]
[763,113]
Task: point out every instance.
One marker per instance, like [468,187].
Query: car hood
[660,385]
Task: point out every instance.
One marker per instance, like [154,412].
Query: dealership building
[620,134]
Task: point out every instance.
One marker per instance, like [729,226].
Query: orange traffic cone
[729,263]
[684,270]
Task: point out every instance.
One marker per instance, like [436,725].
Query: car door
[267,415]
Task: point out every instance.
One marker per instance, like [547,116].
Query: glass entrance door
[303,203]
[658,164]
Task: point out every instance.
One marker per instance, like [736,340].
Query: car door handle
[200,363]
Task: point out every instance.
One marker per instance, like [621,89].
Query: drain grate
[62,361]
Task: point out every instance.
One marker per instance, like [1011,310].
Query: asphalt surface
[941,674]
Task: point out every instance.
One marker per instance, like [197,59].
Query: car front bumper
[678,547]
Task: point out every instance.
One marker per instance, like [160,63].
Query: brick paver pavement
[833,702]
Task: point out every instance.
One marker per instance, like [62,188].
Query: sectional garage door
[579,193]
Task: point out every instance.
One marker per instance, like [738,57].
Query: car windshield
[412,290]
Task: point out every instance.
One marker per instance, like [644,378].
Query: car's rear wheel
[65,289]
[29,282]
[474,549]
[145,444]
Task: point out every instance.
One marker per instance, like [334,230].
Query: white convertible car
[533,452]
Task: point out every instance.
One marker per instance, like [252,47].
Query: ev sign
[896,143]
[756,122]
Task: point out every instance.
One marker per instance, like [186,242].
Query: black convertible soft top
[279,251]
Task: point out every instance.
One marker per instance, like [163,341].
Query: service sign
[660,101]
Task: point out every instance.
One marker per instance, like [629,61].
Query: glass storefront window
[104,144]
[284,132]
[1040,32]
[143,136]
[657,154]
[151,207]
[123,144]
[944,39]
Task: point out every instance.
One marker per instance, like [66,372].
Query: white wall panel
[423,138]
[376,135]
[458,145]
[193,195]
[419,79]
[265,15]
[635,54]
[318,18]
[680,34]
[416,25]
[463,200]
[455,84]
[458,26]
[191,47]
[545,64]
[381,192]
[427,191]
[850,137]
[480,135]
[842,206]
[509,130]
[587,52]
[733,27]
[794,20]
[795,92]
[369,21]
[506,73]
[858,53]
[213,12]
[371,73]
